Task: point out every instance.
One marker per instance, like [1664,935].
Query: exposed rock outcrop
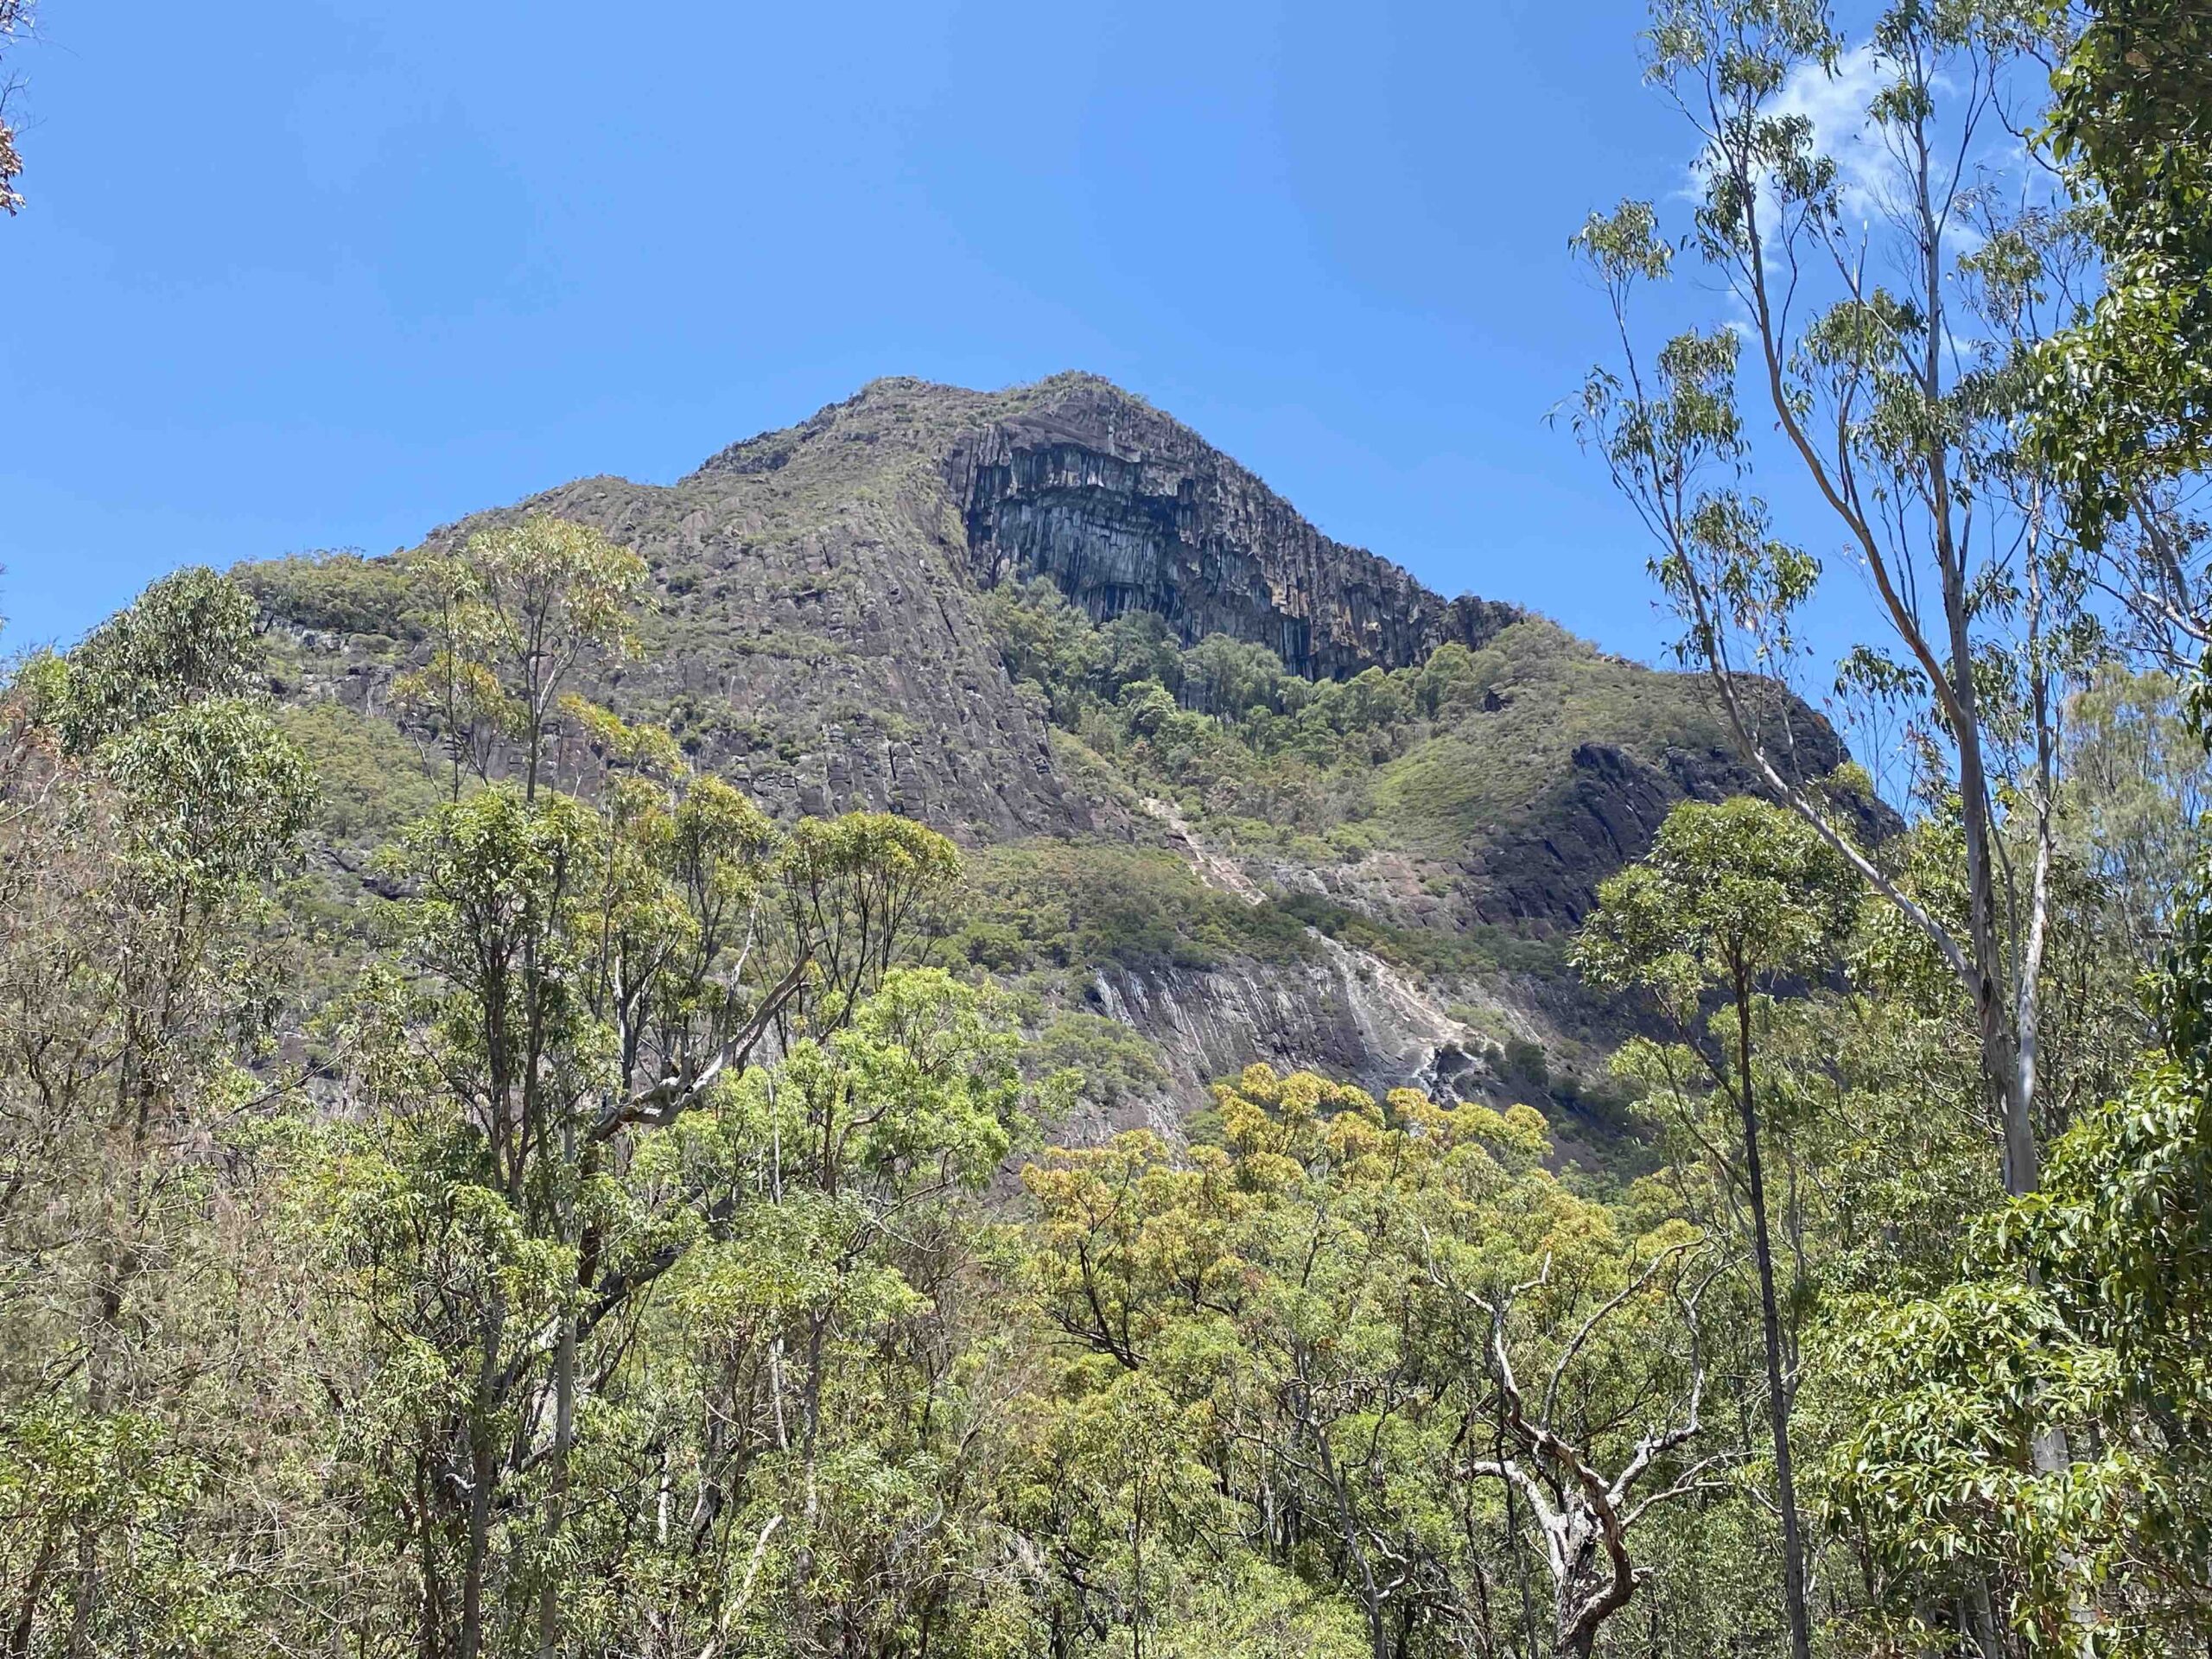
[1127,509]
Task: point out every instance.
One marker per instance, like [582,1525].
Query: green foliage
[639,1257]
[122,1481]
[646,1270]
[1067,905]
[1478,948]
[2125,396]
[1110,1062]
[2038,1426]
[1743,894]
[1732,900]
[513,610]
[1499,770]
[2134,795]
[215,791]
[160,701]
[189,637]
[563,1124]
[370,779]
[145,804]
[1907,443]
[1471,750]
[1267,1369]
[338,593]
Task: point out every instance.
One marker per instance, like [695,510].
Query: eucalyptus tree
[2083,1306]
[1879,309]
[1394,1352]
[1586,1511]
[2125,402]
[2121,404]
[147,796]
[837,1181]
[515,609]
[2135,794]
[578,977]
[1737,901]
[580,981]
[15,25]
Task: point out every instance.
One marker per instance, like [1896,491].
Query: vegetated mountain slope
[1424,793]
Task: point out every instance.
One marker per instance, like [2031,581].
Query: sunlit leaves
[2041,1422]
[1625,242]
[1295,1305]
[189,637]
[2126,396]
[1740,887]
[216,793]
[147,795]
[514,608]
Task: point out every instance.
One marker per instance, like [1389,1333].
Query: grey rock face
[1127,509]
[1604,814]
[815,635]
[834,667]
[1607,811]
[1334,1014]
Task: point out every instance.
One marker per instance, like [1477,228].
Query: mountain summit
[1127,509]
[1246,790]
[831,567]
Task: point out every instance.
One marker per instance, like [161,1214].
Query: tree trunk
[84,1599]
[432,1633]
[2015,1104]
[481,1467]
[19,1633]
[1793,1544]
[1371,1595]
[1584,1578]
[564,1419]
[556,1501]
[483,1471]
[1520,1556]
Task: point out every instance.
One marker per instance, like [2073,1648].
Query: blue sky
[324,273]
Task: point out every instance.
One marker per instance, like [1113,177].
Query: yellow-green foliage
[1062,903]
[373,779]
[1432,759]
[1111,1061]
[1276,1325]
[1498,767]
[338,593]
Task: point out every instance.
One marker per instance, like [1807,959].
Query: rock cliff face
[832,661]
[1340,1015]
[1606,812]
[1127,509]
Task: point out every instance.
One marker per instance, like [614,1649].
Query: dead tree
[1585,1517]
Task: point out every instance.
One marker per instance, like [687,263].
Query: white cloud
[1835,103]
[1872,180]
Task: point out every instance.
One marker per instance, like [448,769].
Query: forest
[605,1217]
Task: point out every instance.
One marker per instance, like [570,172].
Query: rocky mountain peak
[1126,509]
[819,631]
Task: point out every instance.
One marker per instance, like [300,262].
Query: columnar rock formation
[1127,509]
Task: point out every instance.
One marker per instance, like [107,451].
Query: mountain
[1288,804]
